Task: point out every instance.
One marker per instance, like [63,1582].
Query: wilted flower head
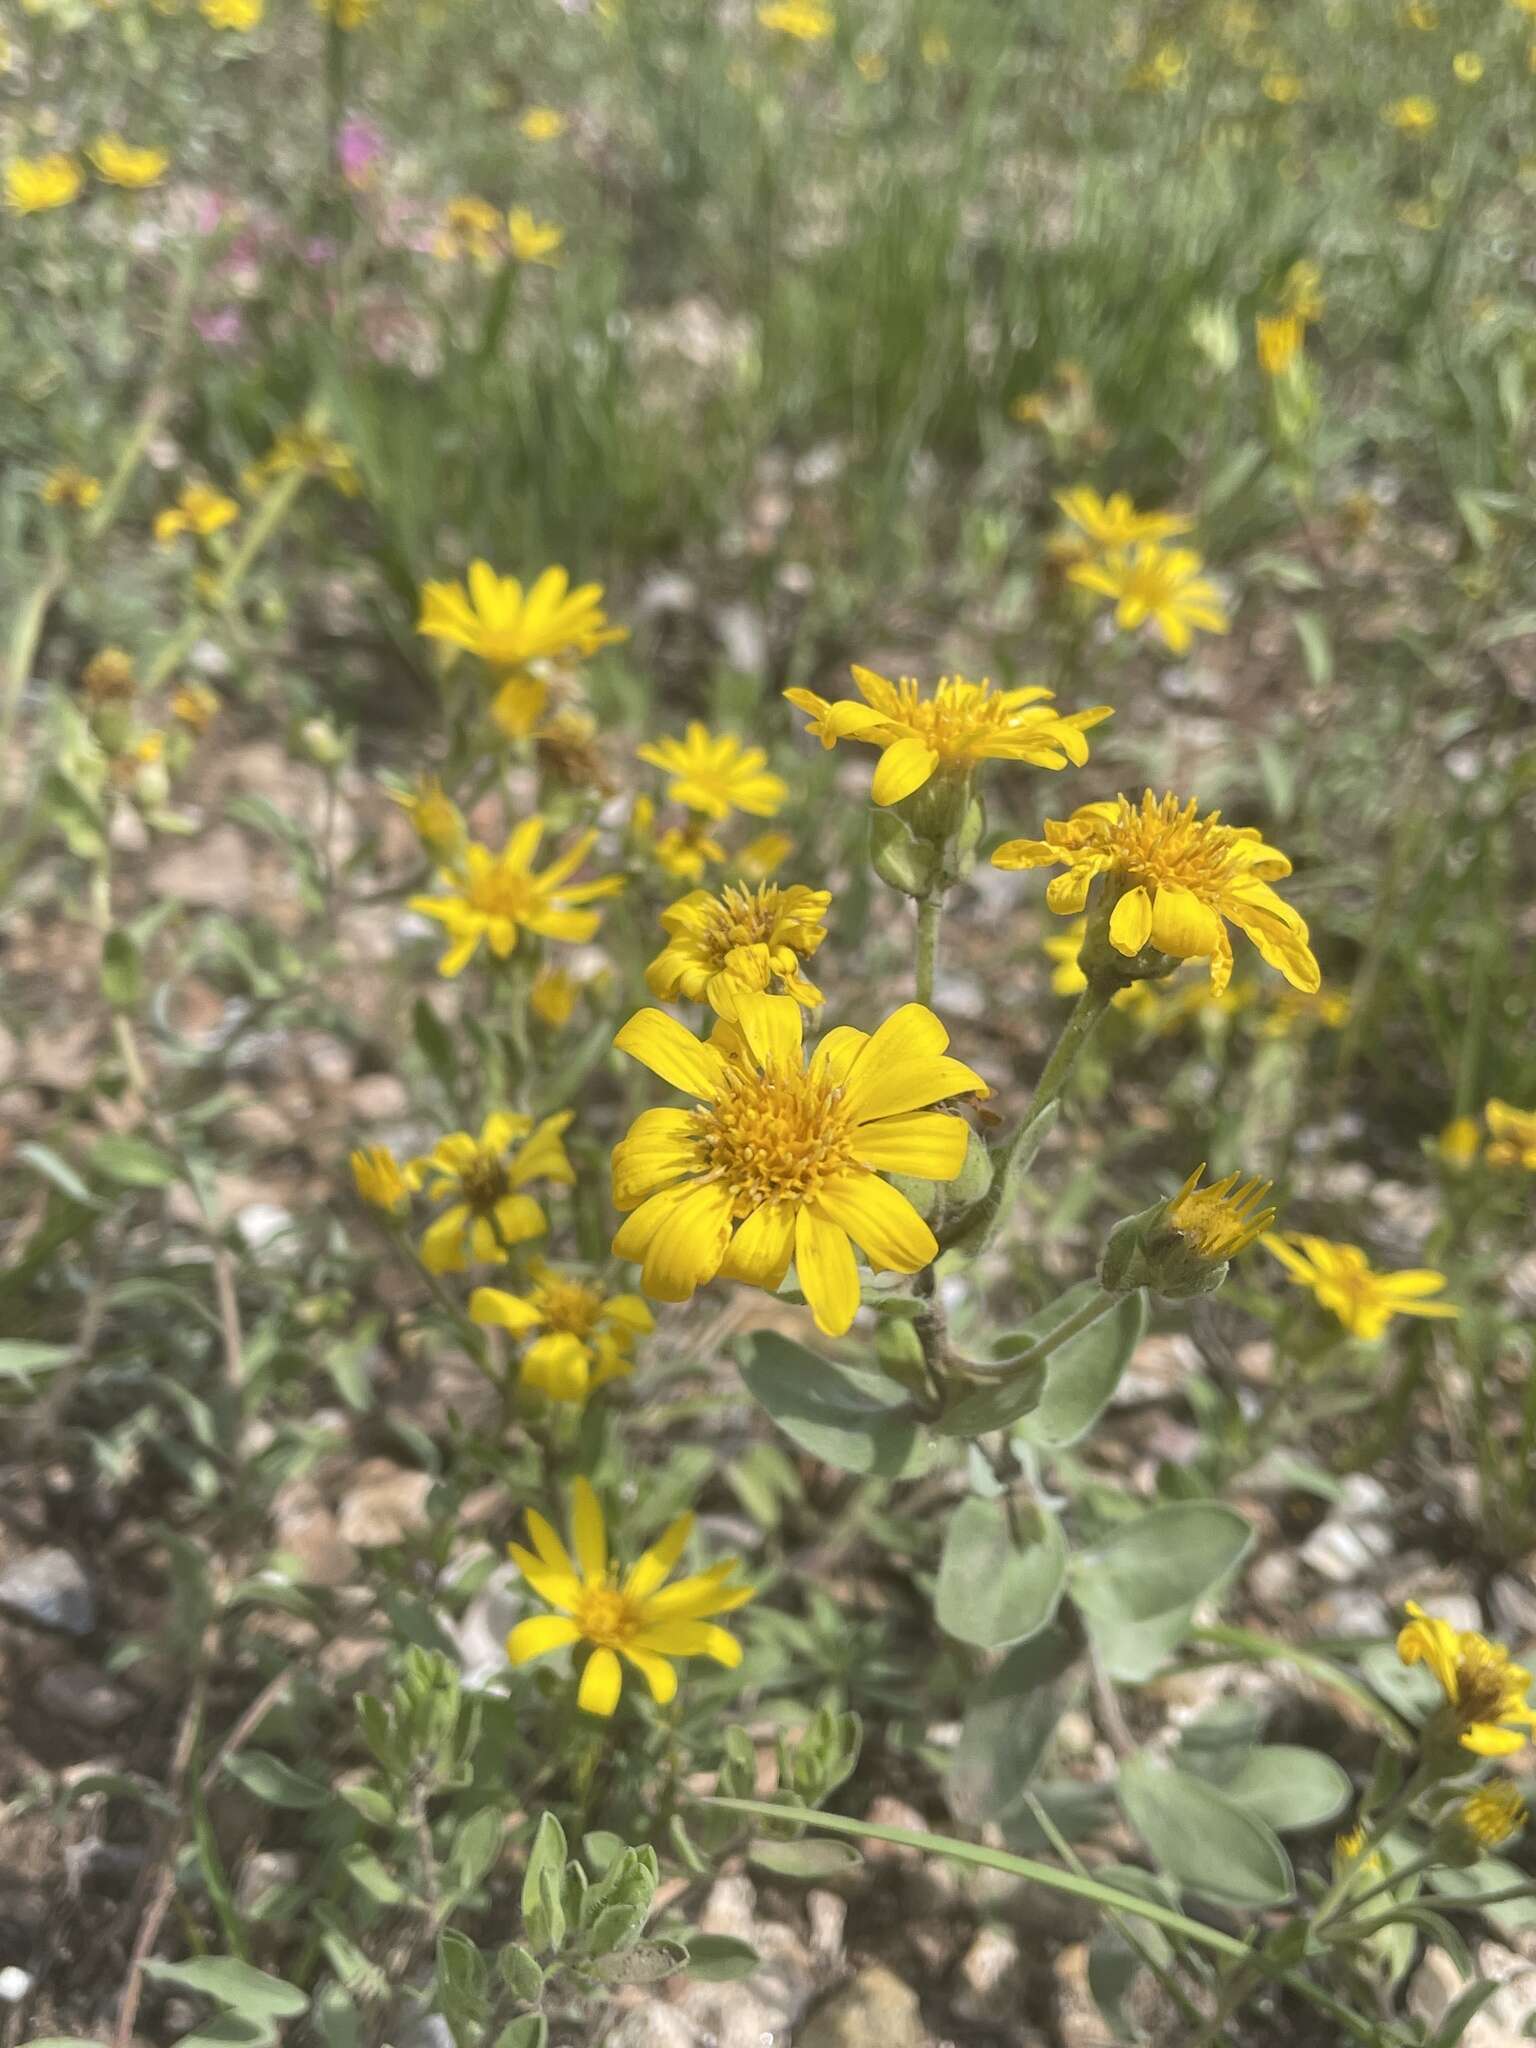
[108,676]
[195,705]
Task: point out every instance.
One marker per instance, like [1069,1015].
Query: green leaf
[542,1915]
[20,1360]
[434,1042]
[520,1973]
[1082,1376]
[371,1877]
[1006,1729]
[133,1162]
[993,1591]
[1289,1787]
[1316,648]
[1461,2012]
[810,1862]
[476,1846]
[122,971]
[901,861]
[646,1963]
[1159,1562]
[249,1992]
[275,1782]
[47,1162]
[719,1958]
[1491,1874]
[1206,1842]
[853,1421]
[531,2031]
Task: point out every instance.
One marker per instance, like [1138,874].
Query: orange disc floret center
[569,1306]
[774,1136]
[605,1616]
[1166,846]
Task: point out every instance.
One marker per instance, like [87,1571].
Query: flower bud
[1181,1248]
[323,744]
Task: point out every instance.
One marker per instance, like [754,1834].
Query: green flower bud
[1181,1248]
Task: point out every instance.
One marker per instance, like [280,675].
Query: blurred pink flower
[359,147]
[221,329]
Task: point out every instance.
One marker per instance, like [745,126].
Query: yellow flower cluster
[514,633]
[199,510]
[1117,552]
[1511,1137]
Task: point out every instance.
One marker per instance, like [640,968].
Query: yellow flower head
[585,1337]
[1163,585]
[240,15]
[122,164]
[533,241]
[1173,879]
[1284,88]
[482,1178]
[492,896]
[1163,69]
[1290,1012]
[69,485]
[1512,1135]
[806,20]
[1279,337]
[714,774]
[1420,15]
[108,676]
[1350,1859]
[681,851]
[1468,66]
[347,14]
[1068,978]
[200,510]
[434,816]
[470,227]
[381,1179]
[195,705]
[960,724]
[542,124]
[781,1160]
[763,856]
[1414,115]
[1493,1814]
[935,48]
[37,183]
[1460,1142]
[1301,291]
[1342,1279]
[311,450]
[493,618]
[1484,1691]
[1224,1219]
[753,939]
[1111,522]
[637,1616]
[553,996]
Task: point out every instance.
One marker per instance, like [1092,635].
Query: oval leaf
[1205,1841]
[1159,1562]
[992,1591]
[812,1861]
[1289,1787]
[270,1779]
[1082,1376]
[853,1421]
[247,1991]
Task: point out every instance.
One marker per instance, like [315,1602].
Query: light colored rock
[385,1504]
[653,2025]
[765,2006]
[214,872]
[311,1538]
[1344,1549]
[986,1987]
[1501,2023]
[872,2010]
[86,1696]
[48,1589]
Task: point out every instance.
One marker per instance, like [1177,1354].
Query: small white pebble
[14,1984]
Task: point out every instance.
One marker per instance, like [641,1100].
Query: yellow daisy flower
[763,856]
[470,227]
[585,1336]
[38,183]
[492,896]
[741,939]
[1512,1135]
[1460,1142]
[1468,66]
[542,124]
[637,1617]
[1163,585]
[1493,1814]
[69,485]
[200,509]
[553,996]
[381,1179]
[240,15]
[533,241]
[494,619]
[780,1160]
[805,20]
[1343,1281]
[681,851]
[1484,1690]
[482,1178]
[1279,337]
[1114,522]
[960,724]
[1414,115]
[1172,879]
[120,163]
[714,774]
[195,705]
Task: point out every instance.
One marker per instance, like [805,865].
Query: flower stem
[1078,1029]
[930,915]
